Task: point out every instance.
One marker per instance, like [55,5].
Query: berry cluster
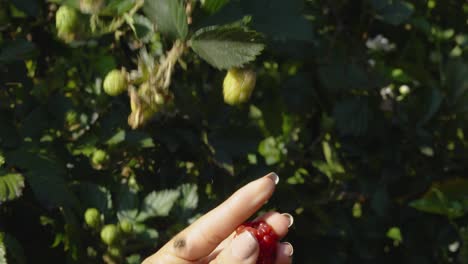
[266,237]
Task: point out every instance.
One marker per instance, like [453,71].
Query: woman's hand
[211,238]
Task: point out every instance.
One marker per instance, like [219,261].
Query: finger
[199,239]
[243,249]
[279,222]
[284,253]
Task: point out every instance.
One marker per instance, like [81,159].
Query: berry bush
[122,121]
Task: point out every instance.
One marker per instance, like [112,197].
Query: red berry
[266,237]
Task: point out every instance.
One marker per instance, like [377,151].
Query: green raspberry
[238,86]
[115,82]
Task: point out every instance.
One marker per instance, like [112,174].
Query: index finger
[203,236]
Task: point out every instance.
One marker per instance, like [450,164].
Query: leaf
[434,101]
[158,203]
[340,76]
[212,6]
[11,186]
[30,7]
[448,198]
[352,116]
[228,46]
[169,16]
[394,12]
[189,199]
[2,250]
[94,196]
[280,20]
[146,234]
[127,203]
[131,138]
[45,176]
[14,250]
[16,50]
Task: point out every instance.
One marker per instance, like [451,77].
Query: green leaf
[146,234]
[352,116]
[14,250]
[131,138]
[228,46]
[394,12]
[212,6]
[11,186]
[448,198]
[169,16]
[94,196]
[433,101]
[158,203]
[2,250]
[189,199]
[45,176]
[127,203]
[30,7]
[16,50]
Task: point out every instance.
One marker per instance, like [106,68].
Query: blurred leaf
[341,76]
[30,7]
[131,138]
[45,176]
[449,198]
[147,234]
[380,201]
[352,116]
[457,84]
[11,186]
[280,20]
[133,259]
[271,150]
[169,16]
[434,101]
[212,6]
[16,50]
[158,203]
[2,251]
[117,7]
[189,199]
[227,47]
[94,196]
[128,203]
[393,12]
[14,250]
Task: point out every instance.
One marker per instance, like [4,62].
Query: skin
[210,240]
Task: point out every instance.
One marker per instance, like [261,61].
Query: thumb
[243,249]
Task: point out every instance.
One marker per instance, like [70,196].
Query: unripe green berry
[115,252]
[238,86]
[92,217]
[99,157]
[115,82]
[109,234]
[66,20]
[126,226]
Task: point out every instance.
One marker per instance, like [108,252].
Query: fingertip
[274,177]
[279,222]
[284,252]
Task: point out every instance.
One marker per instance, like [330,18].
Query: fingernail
[290,218]
[274,177]
[288,249]
[244,246]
